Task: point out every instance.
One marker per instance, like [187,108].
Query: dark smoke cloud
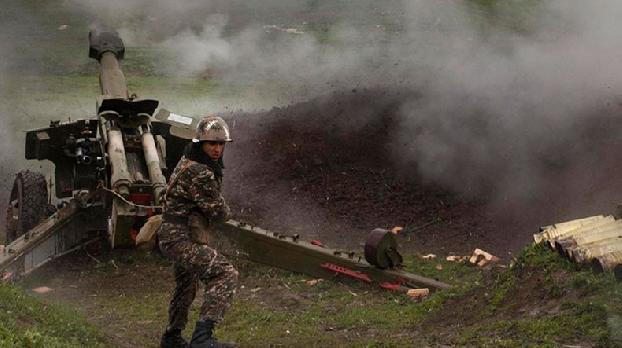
[504,91]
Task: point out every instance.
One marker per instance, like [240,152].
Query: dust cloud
[505,89]
[526,115]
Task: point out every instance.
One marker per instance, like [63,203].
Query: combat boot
[202,336]
[172,339]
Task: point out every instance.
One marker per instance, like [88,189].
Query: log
[559,229]
[586,252]
[599,233]
[557,234]
[607,262]
[588,237]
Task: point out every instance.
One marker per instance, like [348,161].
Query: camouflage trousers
[193,263]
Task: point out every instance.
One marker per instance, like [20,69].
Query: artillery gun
[110,177]
[109,171]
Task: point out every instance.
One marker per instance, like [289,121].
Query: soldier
[195,186]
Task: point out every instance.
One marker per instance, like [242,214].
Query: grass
[577,323]
[564,305]
[335,313]
[26,321]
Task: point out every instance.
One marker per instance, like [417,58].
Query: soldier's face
[214,149]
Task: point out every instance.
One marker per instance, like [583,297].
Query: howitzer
[111,169]
[110,176]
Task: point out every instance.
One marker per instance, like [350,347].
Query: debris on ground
[418,293]
[456,258]
[488,256]
[42,290]
[481,258]
[313,282]
[429,256]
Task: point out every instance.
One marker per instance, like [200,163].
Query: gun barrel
[108,49]
[111,79]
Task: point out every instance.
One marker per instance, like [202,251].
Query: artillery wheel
[28,204]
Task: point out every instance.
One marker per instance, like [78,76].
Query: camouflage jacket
[193,187]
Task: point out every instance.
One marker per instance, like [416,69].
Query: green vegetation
[290,311]
[26,321]
[541,300]
[544,300]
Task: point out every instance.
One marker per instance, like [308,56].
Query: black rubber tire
[29,201]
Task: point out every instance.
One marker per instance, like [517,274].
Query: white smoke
[500,102]
[502,86]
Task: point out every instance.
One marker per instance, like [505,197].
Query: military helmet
[212,128]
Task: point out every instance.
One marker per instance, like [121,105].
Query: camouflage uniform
[195,188]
